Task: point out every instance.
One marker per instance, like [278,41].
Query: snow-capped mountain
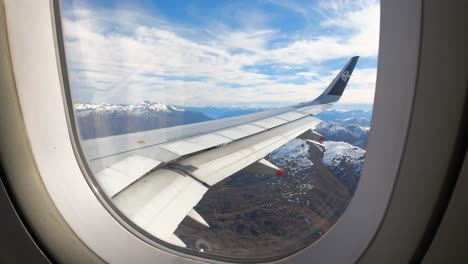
[343,159]
[354,134]
[350,117]
[338,152]
[99,120]
[296,150]
[145,107]
[351,126]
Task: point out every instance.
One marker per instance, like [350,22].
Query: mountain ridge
[100,120]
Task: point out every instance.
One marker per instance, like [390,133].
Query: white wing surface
[156,177]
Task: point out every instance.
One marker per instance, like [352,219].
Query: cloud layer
[127,56]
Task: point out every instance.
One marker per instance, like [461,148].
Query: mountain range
[100,120]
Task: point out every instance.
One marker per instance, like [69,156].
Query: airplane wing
[156,177]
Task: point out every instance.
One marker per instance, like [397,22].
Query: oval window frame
[107,236]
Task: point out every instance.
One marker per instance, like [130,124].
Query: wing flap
[264,167]
[123,173]
[173,239]
[197,217]
[159,201]
[152,152]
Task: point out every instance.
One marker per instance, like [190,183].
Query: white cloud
[136,60]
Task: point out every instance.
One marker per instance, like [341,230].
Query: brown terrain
[255,216]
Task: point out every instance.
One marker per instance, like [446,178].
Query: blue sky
[264,52]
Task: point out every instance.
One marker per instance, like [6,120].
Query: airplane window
[224,129]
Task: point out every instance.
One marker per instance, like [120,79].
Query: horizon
[337,106]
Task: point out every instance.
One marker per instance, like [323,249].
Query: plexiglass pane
[189,116]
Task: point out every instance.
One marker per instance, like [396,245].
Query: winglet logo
[345,76]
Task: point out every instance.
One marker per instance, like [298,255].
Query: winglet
[337,86]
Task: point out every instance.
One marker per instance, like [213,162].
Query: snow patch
[294,149]
[336,151]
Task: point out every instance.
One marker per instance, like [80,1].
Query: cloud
[127,56]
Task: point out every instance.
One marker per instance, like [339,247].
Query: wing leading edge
[156,177]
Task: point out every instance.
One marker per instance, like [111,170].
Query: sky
[198,53]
